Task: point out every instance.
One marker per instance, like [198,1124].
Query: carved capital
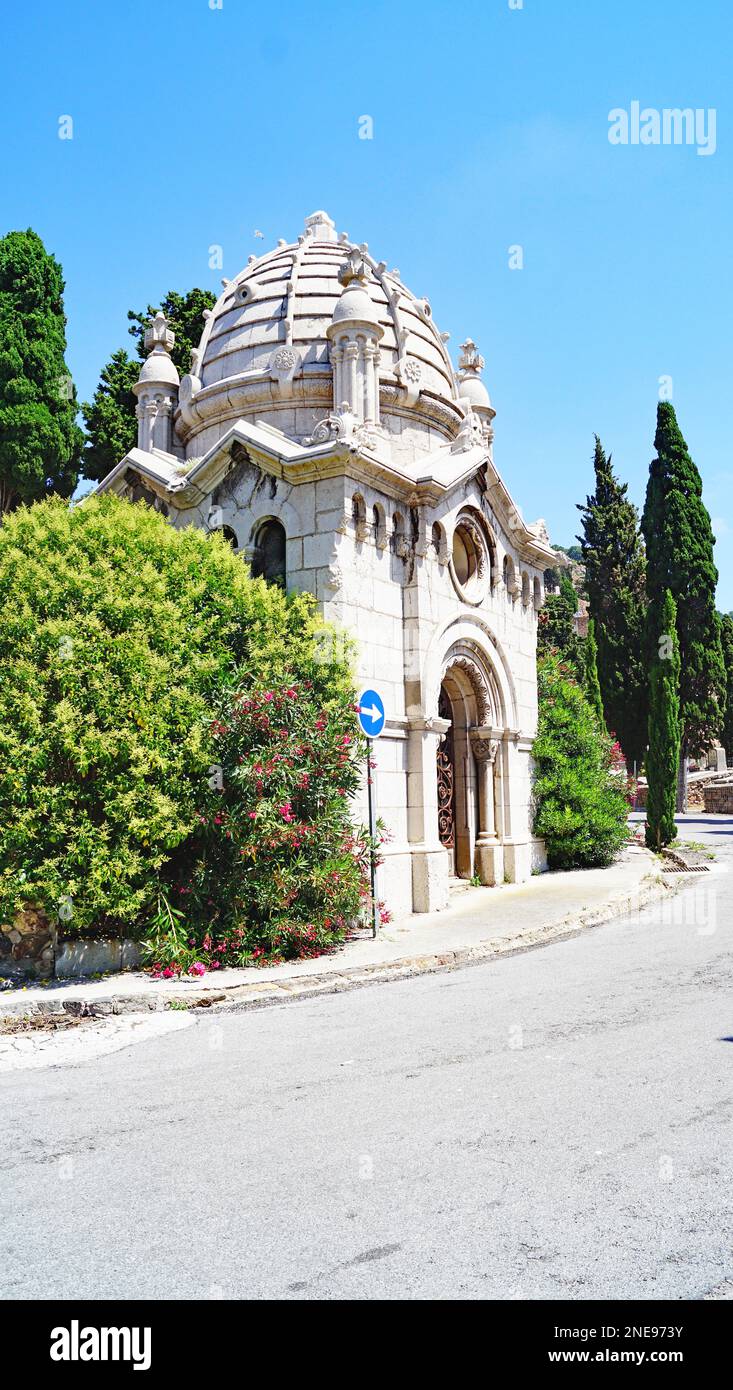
[485,748]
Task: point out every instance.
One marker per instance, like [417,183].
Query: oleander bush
[123,644]
[580,801]
[276,868]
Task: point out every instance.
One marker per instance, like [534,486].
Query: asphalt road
[555,1124]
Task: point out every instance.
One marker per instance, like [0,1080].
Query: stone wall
[30,950]
[719,798]
[27,947]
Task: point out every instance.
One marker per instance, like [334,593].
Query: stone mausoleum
[325,430]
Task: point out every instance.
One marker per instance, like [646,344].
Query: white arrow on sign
[372,712]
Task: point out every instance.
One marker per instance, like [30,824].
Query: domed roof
[288,298]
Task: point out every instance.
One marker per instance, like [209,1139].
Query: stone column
[371,354]
[489,857]
[337,357]
[353,395]
[516,749]
[429,856]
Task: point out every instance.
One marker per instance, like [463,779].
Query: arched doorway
[469,769]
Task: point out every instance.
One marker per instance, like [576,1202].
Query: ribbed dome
[288,297]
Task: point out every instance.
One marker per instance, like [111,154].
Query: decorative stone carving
[469,435]
[343,426]
[189,387]
[485,748]
[285,364]
[284,360]
[354,267]
[411,371]
[482,694]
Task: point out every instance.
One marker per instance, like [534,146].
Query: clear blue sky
[195,126]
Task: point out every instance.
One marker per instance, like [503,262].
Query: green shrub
[276,868]
[116,633]
[581,808]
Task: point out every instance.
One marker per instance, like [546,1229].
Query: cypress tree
[665,729]
[727,734]
[40,442]
[679,548]
[110,417]
[613,556]
[591,682]
[556,629]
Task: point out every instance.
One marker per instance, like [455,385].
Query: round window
[469,562]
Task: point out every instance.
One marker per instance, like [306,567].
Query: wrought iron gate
[446,783]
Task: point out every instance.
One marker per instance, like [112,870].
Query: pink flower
[269,695]
[286,811]
[197,968]
[252,815]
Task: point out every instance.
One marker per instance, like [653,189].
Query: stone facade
[325,431]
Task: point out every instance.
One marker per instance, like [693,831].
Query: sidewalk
[478,924]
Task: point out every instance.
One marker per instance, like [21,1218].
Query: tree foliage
[580,803]
[185,313]
[556,630]
[117,634]
[590,683]
[664,729]
[110,419]
[679,547]
[40,442]
[727,640]
[613,556]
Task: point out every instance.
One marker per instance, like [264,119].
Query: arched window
[438,541]
[228,533]
[510,576]
[525,588]
[399,544]
[268,561]
[538,595]
[379,526]
[358,513]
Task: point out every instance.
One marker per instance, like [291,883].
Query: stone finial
[158,336]
[470,359]
[471,388]
[156,388]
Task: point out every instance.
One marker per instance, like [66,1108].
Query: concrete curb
[253,995]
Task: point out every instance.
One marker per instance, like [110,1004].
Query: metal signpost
[372,720]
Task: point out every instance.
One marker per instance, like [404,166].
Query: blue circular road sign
[371,713]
